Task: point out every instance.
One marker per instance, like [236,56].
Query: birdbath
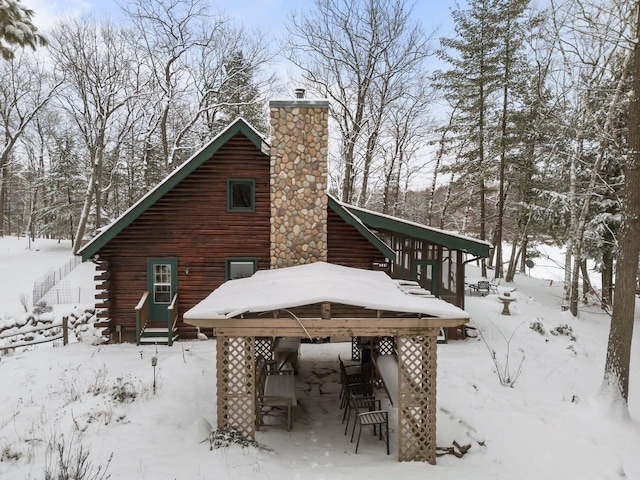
[506,299]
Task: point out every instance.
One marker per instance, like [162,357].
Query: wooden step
[161,340]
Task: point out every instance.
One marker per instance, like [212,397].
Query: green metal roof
[108,233]
[355,222]
[450,240]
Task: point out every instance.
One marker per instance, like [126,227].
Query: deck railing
[172,319]
[142,315]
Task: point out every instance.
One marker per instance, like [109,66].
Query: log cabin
[242,204]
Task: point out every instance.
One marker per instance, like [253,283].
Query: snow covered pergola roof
[349,301]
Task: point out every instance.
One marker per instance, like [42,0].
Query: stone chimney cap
[300,102]
[300,92]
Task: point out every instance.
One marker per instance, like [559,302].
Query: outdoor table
[286,351]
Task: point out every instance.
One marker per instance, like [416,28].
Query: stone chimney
[299,138]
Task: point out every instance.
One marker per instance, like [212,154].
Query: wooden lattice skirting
[417,402]
[236,387]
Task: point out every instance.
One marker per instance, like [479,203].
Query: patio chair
[483,287]
[374,418]
[346,378]
[359,402]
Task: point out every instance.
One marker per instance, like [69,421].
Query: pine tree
[238,96]
[17,28]
[472,82]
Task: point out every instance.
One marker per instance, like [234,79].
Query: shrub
[226,436]
[123,392]
[565,330]
[42,307]
[70,461]
[538,327]
[8,454]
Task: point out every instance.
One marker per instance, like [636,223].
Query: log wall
[347,247]
[191,223]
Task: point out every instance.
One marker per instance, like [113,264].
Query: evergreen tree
[471,83]
[238,96]
[17,28]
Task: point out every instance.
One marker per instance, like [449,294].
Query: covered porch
[317,301]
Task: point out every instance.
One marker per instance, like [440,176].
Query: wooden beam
[324,332]
[318,327]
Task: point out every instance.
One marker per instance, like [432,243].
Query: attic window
[240,195]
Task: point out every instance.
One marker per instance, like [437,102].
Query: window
[240,195]
[240,267]
[162,283]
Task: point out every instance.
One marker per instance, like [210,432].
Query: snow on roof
[314,283]
[418,225]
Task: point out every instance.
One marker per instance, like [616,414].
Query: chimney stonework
[298,185]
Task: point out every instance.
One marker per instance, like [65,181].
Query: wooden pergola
[245,334]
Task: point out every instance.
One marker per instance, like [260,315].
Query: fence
[47,282]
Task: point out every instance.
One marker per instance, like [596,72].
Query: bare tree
[360,54]
[25,88]
[198,70]
[95,61]
[593,36]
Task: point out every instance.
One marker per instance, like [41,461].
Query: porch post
[417,397]
[236,384]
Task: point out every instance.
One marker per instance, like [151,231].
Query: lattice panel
[264,347]
[417,403]
[386,346]
[236,383]
[355,348]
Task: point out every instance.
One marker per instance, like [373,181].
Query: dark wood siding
[345,245]
[191,223]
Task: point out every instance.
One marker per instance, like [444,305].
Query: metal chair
[374,418]
[358,402]
[483,287]
[348,379]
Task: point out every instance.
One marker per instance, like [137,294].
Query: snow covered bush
[226,436]
[538,327]
[42,307]
[565,330]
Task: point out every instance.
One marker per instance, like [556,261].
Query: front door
[425,272]
[162,283]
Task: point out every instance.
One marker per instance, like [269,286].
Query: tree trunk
[586,282]
[4,180]
[607,278]
[86,209]
[616,376]
[595,175]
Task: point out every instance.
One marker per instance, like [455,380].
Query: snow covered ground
[99,400]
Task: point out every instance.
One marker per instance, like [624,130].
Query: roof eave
[353,220]
[238,126]
[378,222]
